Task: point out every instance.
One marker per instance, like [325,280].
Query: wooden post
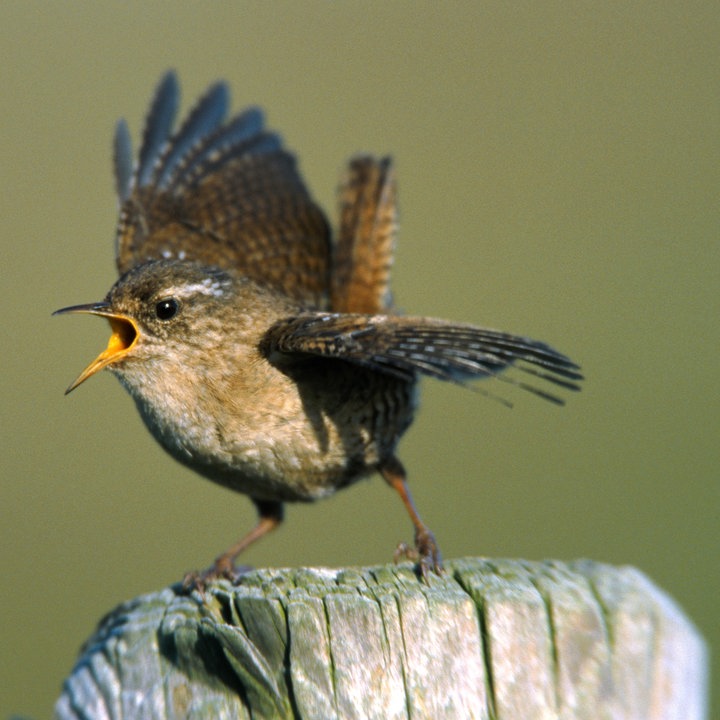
[490,639]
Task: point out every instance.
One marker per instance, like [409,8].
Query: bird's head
[162,311]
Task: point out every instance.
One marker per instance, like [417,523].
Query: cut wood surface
[503,639]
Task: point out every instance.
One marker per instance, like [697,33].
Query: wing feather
[158,125]
[202,120]
[220,193]
[404,346]
[244,133]
[123,161]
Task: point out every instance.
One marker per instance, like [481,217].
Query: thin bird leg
[270,516]
[426,553]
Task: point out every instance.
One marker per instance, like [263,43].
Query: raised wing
[219,192]
[363,255]
[405,346]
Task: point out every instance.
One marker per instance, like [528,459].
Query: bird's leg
[426,552]
[270,516]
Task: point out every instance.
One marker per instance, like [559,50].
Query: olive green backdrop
[558,170]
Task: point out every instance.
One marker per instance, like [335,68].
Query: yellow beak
[124,336]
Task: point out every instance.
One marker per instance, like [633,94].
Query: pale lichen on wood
[489,639]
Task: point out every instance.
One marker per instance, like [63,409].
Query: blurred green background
[558,169]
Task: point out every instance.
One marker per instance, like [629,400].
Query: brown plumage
[259,353]
[363,256]
[219,194]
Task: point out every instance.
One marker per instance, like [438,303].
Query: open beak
[124,336]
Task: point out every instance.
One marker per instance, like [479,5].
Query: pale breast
[296,433]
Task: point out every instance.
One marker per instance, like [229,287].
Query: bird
[262,349]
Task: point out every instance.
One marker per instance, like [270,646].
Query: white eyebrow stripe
[206,287]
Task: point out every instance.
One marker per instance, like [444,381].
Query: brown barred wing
[405,346]
[222,193]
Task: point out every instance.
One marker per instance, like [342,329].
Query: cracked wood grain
[502,639]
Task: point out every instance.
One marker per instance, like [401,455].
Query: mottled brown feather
[406,346]
[363,255]
[238,204]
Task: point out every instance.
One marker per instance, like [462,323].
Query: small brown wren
[259,352]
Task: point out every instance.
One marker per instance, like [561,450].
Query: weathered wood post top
[490,639]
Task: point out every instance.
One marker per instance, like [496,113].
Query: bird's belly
[301,442]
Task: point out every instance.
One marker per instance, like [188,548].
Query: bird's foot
[426,554]
[222,569]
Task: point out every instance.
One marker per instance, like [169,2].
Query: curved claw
[221,570]
[426,554]
[429,552]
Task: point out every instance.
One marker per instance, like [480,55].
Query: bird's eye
[167,308]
